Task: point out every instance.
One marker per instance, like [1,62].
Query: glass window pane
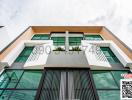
[24,55]
[106,53]
[13,76]
[18,95]
[5,94]
[60,43]
[78,43]
[55,43]
[117,75]
[93,37]
[109,94]
[10,78]
[21,59]
[44,38]
[73,41]
[61,39]
[58,40]
[36,38]
[104,80]
[116,59]
[26,51]
[41,37]
[23,95]
[109,55]
[108,50]
[110,59]
[30,79]
[4,80]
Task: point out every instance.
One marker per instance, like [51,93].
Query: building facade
[64,63]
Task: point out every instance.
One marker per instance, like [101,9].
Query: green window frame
[18,84]
[109,55]
[75,41]
[107,83]
[58,41]
[23,56]
[41,37]
[81,83]
[93,37]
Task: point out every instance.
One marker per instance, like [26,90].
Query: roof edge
[14,40]
[118,39]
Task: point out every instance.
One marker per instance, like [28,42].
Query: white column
[67,41]
[63,80]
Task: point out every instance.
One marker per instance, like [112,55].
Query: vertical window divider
[94,87]
[67,84]
[19,79]
[40,85]
[114,79]
[16,84]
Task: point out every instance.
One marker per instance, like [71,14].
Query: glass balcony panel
[30,79]
[104,80]
[109,94]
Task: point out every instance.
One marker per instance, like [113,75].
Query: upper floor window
[40,37]
[73,41]
[93,37]
[22,58]
[109,55]
[58,41]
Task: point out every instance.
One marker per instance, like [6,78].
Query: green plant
[75,49]
[59,49]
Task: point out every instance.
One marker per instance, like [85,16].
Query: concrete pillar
[67,41]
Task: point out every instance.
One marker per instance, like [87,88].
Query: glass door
[67,84]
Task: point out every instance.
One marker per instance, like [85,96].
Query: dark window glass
[108,83]
[109,55]
[93,37]
[75,41]
[19,84]
[22,58]
[58,41]
[40,37]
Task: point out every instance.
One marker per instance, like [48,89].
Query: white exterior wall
[10,58]
[5,39]
[93,59]
[36,60]
[124,59]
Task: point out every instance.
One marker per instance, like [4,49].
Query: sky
[116,15]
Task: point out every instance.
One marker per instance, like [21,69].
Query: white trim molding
[92,58]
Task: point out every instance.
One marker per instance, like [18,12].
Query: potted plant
[59,49]
[75,49]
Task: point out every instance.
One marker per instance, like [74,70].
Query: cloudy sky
[116,15]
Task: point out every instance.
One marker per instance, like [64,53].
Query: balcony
[105,55]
